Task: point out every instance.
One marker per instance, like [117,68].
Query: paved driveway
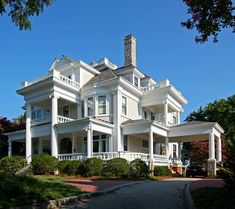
[145,195]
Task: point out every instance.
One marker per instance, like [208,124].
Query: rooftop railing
[56,74]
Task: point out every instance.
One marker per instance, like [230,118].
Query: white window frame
[138,81]
[93,105]
[124,113]
[105,104]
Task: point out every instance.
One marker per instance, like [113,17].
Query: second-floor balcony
[55,74]
[45,120]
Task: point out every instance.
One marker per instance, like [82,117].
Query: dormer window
[136,81]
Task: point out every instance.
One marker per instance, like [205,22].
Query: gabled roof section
[58,63]
[129,68]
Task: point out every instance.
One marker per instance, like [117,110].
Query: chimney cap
[129,36]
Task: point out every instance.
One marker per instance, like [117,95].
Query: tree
[223,112]
[21,10]
[9,126]
[209,17]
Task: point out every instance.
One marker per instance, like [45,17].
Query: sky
[89,30]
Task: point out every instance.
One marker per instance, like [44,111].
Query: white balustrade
[55,74]
[69,81]
[150,88]
[105,155]
[62,119]
[129,156]
[39,121]
[72,156]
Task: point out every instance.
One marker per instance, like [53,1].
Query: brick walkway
[217,183]
[94,186]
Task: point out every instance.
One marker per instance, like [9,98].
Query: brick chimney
[130,50]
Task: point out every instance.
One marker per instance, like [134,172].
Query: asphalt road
[145,195]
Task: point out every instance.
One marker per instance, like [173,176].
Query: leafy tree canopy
[223,112]
[209,17]
[21,10]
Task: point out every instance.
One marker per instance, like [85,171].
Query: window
[66,111]
[152,116]
[162,149]
[101,105]
[145,143]
[90,106]
[125,142]
[145,115]
[83,112]
[124,105]
[174,119]
[136,81]
[174,151]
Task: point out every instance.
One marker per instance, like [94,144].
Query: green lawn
[22,190]
[214,198]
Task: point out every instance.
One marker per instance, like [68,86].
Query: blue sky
[89,30]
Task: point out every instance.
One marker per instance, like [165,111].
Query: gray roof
[195,123]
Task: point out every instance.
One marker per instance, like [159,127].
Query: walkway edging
[189,204]
[55,204]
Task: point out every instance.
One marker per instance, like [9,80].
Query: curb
[189,204]
[55,204]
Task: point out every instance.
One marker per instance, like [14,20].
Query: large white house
[81,110]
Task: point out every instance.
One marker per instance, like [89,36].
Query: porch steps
[24,171]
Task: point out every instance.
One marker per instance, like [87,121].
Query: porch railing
[39,121]
[129,156]
[62,119]
[72,156]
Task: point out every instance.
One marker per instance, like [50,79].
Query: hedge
[44,164]
[162,171]
[11,165]
[116,167]
[92,167]
[138,168]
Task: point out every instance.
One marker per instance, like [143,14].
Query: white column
[166,113]
[110,138]
[178,118]
[151,144]
[79,111]
[219,150]
[54,114]
[167,147]
[89,141]
[40,148]
[28,134]
[211,146]
[9,148]
[73,143]
[179,151]
[117,102]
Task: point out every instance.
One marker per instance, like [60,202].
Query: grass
[22,190]
[214,198]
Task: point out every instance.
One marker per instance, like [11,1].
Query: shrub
[116,167]
[162,171]
[11,165]
[69,167]
[44,164]
[138,168]
[228,176]
[92,167]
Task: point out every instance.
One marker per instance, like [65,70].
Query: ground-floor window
[100,143]
[174,151]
